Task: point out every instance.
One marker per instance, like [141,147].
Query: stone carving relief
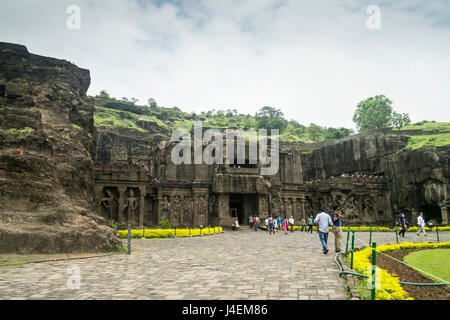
[110,202]
[177,208]
[165,207]
[277,206]
[223,205]
[201,205]
[131,204]
[186,216]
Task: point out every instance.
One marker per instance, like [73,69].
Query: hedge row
[380,229]
[169,233]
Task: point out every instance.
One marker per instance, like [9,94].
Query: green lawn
[428,126]
[434,261]
[436,140]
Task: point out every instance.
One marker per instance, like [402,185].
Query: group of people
[404,225]
[277,224]
[323,221]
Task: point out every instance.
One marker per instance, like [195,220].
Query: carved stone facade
[148,188]
[192,195]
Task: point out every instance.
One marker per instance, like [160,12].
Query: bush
[112,224]
[169,233]
[164,224]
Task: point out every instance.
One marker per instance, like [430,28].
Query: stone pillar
[292,208]
[158,205]
[200,197]
[98,198]
[142,192]
[297,209]
[122,190]
[444,214]
[224,205]
[263,206]
[303,208]
[224,210]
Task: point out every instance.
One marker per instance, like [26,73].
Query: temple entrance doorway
[431,212]
[242,206]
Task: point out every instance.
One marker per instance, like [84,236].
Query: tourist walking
[421,224]
[270,225]
[337,227]
[303,223]
[291,223]
[255,223]
[402,223]
[310,224]
[285,225]
[267,224]
[250,221]
[280,223]
[275,225]
[323,221]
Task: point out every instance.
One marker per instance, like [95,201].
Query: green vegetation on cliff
[122,113]
[428,126]
[111,118]
[114,113]
[430,140]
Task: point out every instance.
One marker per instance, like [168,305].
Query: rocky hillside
[414,163]
[46,134]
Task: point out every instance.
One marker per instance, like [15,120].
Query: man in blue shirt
[323,221]
[337,227]
[403,224]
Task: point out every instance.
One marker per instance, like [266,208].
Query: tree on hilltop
[377,112]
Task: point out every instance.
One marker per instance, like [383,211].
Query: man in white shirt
[421,224]
[291,223]
[322,222]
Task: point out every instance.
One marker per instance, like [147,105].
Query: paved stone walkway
[231,265]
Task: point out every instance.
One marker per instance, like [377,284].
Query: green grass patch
[432,140]
[155,120]
[428,126]
[18,134]
[111,118]
[361,287]
[23,131]
[434,261]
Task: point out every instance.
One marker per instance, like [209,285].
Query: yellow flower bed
[300,228]
[380,229]
[389,282]
[428,229]
[168,233]
[374,229]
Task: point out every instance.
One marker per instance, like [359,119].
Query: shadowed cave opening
[432,212]
[243,206]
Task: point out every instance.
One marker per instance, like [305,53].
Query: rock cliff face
[410,180]
[46,130]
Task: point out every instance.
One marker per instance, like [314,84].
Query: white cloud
[313,59]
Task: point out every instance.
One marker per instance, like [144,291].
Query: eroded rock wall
[412,180]
[46,143]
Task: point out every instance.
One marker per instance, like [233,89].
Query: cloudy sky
[314,60]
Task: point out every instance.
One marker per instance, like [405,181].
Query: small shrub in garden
[164,224]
